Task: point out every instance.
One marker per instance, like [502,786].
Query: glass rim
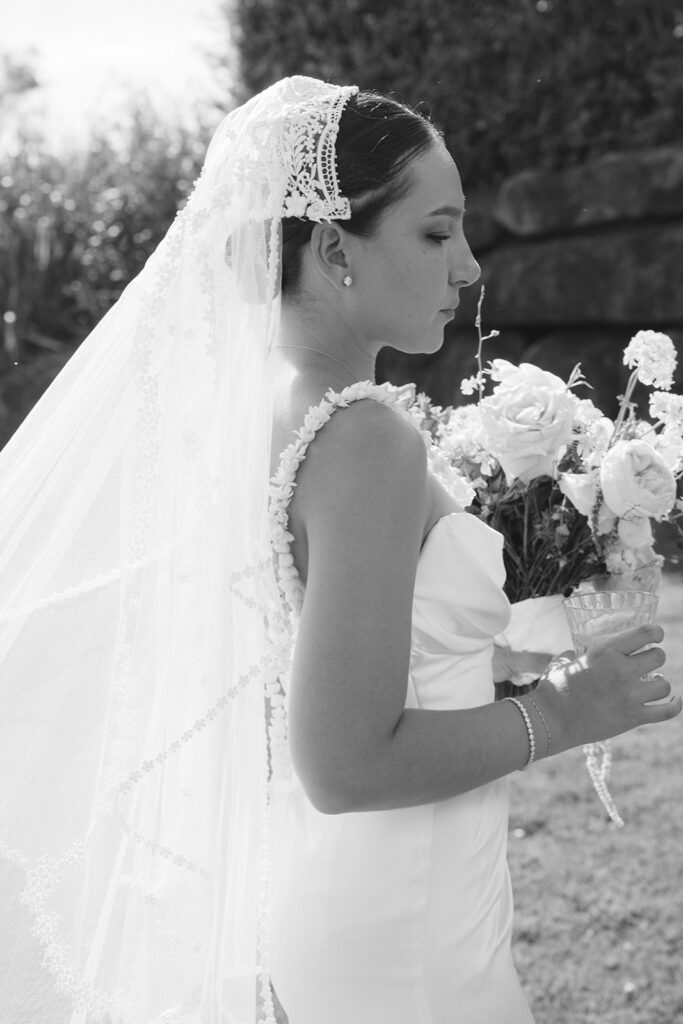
[576,599]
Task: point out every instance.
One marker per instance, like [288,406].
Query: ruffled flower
[653,355]
[528,420]
[636,481]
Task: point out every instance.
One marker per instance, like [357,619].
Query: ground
[599,911]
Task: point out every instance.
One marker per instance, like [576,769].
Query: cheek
[420,280]
[406,286]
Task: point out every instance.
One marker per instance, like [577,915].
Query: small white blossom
[653,355]
[592,428]
[633,568]
[462,439]
[469,385]
[666,408]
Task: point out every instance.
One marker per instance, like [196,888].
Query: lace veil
[141,627]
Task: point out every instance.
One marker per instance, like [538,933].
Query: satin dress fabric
[405,916]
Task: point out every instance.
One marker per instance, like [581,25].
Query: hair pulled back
[377,138]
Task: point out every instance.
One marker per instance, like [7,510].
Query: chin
[430,342]
[426,343]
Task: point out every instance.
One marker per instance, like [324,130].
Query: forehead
[435,182]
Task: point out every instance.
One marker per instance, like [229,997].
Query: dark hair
[378,137]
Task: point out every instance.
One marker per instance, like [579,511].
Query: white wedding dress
[404,916]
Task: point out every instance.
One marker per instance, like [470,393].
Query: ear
[329,253]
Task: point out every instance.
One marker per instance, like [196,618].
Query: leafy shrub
[76,228]
[515,83]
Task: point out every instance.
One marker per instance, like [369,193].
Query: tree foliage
[514,83]
[76,228]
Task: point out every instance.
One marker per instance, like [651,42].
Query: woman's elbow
[336,793]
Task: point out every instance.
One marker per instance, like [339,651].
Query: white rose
[636,481]
[582,490]
[527,420]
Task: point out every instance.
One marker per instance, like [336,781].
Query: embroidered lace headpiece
[141,631]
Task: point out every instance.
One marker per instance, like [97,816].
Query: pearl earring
[347,281]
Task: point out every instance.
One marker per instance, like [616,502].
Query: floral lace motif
[309,142]
[287,158]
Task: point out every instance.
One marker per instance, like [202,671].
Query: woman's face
[407,276]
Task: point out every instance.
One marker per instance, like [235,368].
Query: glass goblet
[594,617]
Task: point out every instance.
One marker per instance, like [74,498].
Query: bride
[252,766]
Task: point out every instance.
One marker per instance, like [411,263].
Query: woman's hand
[520,667]
[607,690]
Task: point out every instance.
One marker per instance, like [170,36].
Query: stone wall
[574,263]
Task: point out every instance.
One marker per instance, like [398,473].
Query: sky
[90,55]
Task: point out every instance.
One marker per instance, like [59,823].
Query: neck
[310,342]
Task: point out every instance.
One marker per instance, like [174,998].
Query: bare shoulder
[366,452]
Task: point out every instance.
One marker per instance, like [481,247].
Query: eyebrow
[449,211]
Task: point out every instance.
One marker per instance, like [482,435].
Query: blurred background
[566,120]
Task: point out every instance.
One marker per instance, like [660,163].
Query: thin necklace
[307,348]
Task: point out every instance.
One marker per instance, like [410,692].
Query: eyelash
[440,238]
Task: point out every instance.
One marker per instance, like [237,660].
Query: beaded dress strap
[283,482]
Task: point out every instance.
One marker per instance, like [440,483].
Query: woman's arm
[361,504]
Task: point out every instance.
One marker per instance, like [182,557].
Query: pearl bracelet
[529,728]
[545,725]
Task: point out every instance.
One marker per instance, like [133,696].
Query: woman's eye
[440,238]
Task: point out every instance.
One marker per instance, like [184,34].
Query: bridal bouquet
[573,492]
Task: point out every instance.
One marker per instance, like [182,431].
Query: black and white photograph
[341,512]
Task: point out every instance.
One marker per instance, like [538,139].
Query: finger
[655,687]
[647,661]
[653,713]
[631,640]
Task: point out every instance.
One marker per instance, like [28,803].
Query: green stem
[477,324]
[624,407]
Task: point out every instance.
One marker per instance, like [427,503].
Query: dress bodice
[458,607]
[458,602]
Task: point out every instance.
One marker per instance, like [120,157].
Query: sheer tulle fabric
[142,632]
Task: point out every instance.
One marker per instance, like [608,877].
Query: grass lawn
[599,911]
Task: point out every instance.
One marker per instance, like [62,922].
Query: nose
[465,270]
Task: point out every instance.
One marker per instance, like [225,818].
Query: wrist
[524,712]
[544,741]
[550,706]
